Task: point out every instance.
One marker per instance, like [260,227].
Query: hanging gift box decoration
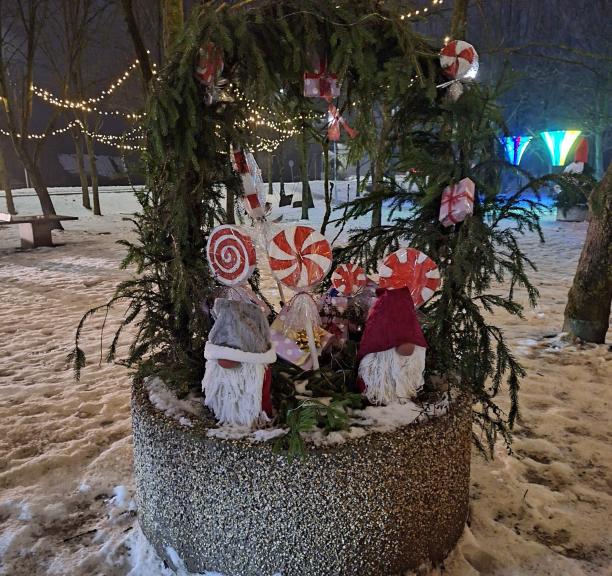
[321,83]
[210,64]
[335,122]
[299,256]
[412,269]
[457,202]
[459,60]
[242,163]
[231,255]
[348,279]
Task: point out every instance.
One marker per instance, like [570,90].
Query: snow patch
[166,401]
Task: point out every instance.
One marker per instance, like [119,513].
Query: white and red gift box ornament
[210,64]
[321,83]
[457,202]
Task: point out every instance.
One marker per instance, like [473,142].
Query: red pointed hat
[392,321]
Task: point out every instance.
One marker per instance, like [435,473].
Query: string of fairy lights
[257,116]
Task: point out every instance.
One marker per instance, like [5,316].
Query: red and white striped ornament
[231,255]
[210,64]
[252,201]
[299,257]
[459,59]
[408,267]
[348,279]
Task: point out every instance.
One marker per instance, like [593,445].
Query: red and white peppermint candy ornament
[231,255]
[459,59]
[348,279]
[299,256]
[410,268]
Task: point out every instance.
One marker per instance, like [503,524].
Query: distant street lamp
[559,143]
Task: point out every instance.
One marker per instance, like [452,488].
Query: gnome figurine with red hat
[237,379]
[392,350]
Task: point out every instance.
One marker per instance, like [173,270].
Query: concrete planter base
[373,506]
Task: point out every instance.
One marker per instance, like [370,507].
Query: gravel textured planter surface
[373,506]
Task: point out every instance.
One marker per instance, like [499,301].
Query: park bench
[34,231]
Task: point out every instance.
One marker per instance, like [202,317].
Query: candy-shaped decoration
[299,256]
[210,64]
[408,267]
[459,60]
[231,255]
[244,163]
[348,279]
[336,121]
[457,202]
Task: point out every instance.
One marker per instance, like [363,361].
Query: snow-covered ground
[66,487]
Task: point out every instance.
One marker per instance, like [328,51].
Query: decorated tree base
[377,505]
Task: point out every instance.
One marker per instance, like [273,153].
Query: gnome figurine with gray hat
[237,379]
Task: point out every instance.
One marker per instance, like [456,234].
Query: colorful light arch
[515,146]
[559,143]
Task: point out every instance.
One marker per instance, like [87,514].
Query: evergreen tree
[389,75]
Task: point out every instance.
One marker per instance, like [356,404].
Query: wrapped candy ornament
[237,379]
[209,70]
[459,61]
[244,164]
[457,202]
[391,357]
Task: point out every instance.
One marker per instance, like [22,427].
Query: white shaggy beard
[234,394]
[391,378]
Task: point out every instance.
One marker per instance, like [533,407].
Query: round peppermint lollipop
[413,269]
[231,255]
[348,279]
[299,256]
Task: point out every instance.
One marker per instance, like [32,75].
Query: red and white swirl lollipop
[299,256]
[348,279]
[459,59]
[231,255]
[413,269]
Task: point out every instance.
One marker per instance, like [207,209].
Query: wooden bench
[34,231]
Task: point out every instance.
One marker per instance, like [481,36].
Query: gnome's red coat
[392,321]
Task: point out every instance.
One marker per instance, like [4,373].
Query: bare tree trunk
[6,185]
[172,23]
[93,168]
[139,45]
[78,146]
[587,313]
[304,174]
[328,196]
[459,19]
[377,163]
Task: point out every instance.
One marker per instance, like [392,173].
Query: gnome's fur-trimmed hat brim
[240,333]
[392,321]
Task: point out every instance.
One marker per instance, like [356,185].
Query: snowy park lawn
[66,486]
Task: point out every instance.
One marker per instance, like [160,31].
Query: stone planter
[372,506]
[578,213]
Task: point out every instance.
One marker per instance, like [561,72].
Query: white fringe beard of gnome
[391,378]
[235,394]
